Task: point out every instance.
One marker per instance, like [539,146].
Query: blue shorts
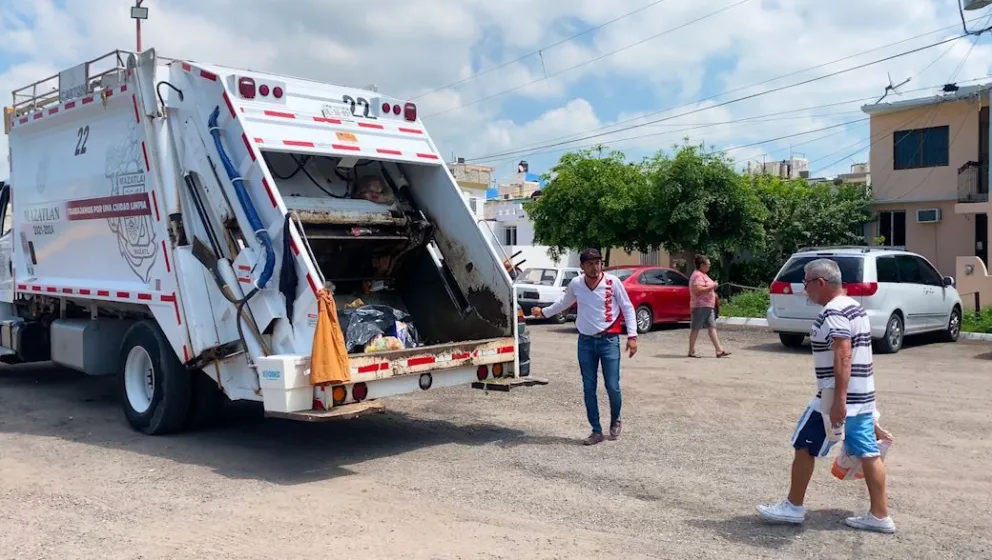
[859,435]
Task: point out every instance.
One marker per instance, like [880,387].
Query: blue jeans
[594,351]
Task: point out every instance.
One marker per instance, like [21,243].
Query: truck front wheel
[154,386]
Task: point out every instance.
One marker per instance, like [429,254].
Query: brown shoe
[615,429]
[593,439]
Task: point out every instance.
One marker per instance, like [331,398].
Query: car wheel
[791,340]
[894,334]
[560,319]
[953,326]
[645,319]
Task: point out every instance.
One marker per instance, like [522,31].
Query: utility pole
[138,13]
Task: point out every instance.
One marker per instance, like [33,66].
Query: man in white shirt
[845,401]
[599,296]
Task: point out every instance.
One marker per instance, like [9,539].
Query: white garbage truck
[173,223]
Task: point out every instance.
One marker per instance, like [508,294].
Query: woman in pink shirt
[702,302]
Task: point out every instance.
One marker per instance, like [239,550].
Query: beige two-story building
[930,176]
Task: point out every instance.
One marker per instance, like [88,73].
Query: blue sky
[619,72]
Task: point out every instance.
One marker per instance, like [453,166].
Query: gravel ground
[459,473]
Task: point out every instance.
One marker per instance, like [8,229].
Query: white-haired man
[842,361]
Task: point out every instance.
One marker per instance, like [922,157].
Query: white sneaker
[869,522]
[783,512]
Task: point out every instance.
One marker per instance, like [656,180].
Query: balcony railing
[973,182]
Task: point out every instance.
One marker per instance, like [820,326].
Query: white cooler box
[285,383]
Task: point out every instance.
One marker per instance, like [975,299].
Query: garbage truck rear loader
[175,224]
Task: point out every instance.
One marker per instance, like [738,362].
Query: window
[921,147]
[892,228]
[623,273]
[886,269]
[539,276]
[675,279]
[851,268]
[510,235]
[568,276]
[653,278]
[909,270]
[929,274]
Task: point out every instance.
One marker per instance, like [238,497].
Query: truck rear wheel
[154,386]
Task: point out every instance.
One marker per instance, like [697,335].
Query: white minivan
[901,291]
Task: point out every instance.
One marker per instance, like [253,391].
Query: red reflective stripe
[251,152]
[72,104]
[230,105]
[346,147]
[186,352]
[505,350]
[53,110]
[259,141]
[22,286]
[327,120]
[389,152]
[461,356]
[187,67]
[300,143]
[208,75]
[168,266]
[158,217]
[66,290]
[268,191]
[86,101]
[427,156]
[137,115]
[421,361]
[144,150]
[109,92]
[38,116]
[370,125]
[84,292]
[292,243]
[373,367]
[313,285]
[103,293]
[244,267]
[411,130]
[145,297]
[23,120]
[124,295]
[124,87]
[279,114]
[35,288]
[51,289]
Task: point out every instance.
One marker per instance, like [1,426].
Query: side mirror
[949,281]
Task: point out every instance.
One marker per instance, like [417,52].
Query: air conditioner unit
[928,215]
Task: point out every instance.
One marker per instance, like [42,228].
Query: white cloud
[411,47]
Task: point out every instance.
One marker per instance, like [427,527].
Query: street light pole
[137,14]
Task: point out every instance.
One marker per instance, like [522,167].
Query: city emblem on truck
[130,212]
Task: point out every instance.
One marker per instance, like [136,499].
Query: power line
[570,68]
[759,94]
[538,51]
[616,124]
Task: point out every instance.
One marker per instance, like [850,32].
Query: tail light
[246,87]
[781,288]
[396,109]
[338,395]
[263,90]
[360,391]
[498,370]
[858,289]
[410,112]
[482,373]
[386,107]
[277,92]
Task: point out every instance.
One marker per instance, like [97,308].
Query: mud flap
[504,385]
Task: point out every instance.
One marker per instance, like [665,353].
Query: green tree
[589,201]
[804,215]
[696,201]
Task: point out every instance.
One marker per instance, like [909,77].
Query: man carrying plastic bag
[844,406]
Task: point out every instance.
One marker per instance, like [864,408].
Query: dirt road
[463,474]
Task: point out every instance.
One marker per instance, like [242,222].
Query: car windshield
[851,268]
[623,273]
[538,276]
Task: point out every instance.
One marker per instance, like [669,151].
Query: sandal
[694,355]
[723,354]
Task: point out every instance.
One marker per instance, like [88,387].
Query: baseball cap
[590,255]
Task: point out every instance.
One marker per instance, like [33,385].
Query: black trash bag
[362,324]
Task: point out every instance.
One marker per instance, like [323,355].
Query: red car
[659,294]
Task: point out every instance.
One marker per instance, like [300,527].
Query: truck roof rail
[99,72]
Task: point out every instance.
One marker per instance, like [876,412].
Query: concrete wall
[941,243]
[931,183]
[977,281]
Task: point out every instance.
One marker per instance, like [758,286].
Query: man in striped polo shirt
[842,360]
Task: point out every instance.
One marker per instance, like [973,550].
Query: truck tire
[206,402]
[154,386]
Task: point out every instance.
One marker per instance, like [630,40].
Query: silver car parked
[901,291]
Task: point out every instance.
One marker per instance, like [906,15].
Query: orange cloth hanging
[329,362]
